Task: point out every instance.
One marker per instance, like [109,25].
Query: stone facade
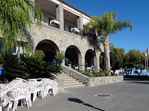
[63,40]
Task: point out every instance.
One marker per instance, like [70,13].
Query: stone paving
[125,96]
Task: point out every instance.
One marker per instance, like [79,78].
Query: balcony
[51,22]
[71,20]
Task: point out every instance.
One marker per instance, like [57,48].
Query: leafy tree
[15,18]
[134,59]
[105,26]
[116,56]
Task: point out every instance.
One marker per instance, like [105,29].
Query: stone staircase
[69,82]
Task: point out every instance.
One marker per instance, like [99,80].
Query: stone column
[82,64]
[96,60]
[80,22]
[60,15]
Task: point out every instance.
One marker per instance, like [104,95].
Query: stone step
[69,82]
[68,79]
[74,86]
[63,76]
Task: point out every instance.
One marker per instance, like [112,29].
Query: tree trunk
[107,54]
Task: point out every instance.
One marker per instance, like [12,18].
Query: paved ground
[126,96]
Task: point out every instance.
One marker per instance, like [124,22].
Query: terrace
[63,18]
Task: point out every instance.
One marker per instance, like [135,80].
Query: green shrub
[89,74]
[38,54]
[96,74]
[113,74]
[12,67]
[37,68]
[59,58]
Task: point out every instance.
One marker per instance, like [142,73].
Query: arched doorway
[90,58]
[72,57]
[50,49]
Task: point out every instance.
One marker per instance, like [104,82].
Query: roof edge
[74,8]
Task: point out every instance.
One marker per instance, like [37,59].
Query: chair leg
[30,102]
[42,94]
[34,96]
[0,107]
[9,105]
[28,106]
[15,105]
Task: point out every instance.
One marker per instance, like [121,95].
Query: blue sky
[136,11]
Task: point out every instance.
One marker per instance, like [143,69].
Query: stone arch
[72,56]
[50,49]
[90,58]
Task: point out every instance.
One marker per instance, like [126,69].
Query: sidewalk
[126,96]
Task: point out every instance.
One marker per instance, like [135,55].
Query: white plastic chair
[51,85]
[47,87]
[19,90]
[19,94]
[54,86]
[3,97]
[36,88]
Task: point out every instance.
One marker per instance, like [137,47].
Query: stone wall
[92,81]
[104,80]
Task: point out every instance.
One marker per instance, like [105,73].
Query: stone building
[62,32]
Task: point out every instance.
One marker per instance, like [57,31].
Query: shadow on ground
[142,82]
[137,79]
[79,101]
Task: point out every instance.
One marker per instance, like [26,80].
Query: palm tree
[15,18]
[104,26]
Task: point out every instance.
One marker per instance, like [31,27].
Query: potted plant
[59,58]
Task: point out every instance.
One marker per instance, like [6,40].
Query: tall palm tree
[15,18]
[104,26]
